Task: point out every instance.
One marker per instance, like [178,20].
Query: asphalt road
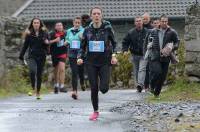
[60,113]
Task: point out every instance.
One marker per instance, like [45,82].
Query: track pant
[76,71]
[36,66]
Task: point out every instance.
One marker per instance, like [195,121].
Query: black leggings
[99,79]
[36,66]
[77,70]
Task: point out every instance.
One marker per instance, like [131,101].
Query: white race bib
[75,44]
[96,46]
[61,43]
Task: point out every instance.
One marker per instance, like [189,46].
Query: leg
[155,71]
[32,71]
[61,68]
[135,68]
[164,68]
[142,71]
[93,79]
[81,76]
[146,83]
[40,67]
[74,69]
[104,76]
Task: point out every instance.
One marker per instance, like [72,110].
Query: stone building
[192,42]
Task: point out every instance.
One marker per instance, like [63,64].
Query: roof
[51,10]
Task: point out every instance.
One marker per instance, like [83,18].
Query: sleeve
[126,42]
[175,40]
[84,42]
[67,36]
[24,48]
[112,39]
[146,41]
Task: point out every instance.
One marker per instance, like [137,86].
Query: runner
[58,50]
[73,39]
[98,41]
[36,43]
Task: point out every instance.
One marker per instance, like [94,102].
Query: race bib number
[75,44]
[61,43]
[96,46]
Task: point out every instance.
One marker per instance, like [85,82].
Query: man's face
[156,23]
[138,23]
[96,15]
[59,27]
[146,19]
[77,23]
[163,22]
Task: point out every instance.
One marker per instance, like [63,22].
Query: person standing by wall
[164,42]
[134,41]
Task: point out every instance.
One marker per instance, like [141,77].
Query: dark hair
[85,20]
[96,8]
[30,29]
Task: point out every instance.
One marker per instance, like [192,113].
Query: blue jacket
[72,36]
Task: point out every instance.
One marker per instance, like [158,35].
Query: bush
[123,71]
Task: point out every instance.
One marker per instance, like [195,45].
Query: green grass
[16,82]
[180,90]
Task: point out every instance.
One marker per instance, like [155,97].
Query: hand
[114,61]
[65,43]
[57,39]
[125,52]
[46,41]
[80,35]
[79,61]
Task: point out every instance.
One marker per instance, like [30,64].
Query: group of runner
[89,43]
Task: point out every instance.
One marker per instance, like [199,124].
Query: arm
[84,42]
[175,40]
[67,37]
[126,42]
[112,39]
[24,48]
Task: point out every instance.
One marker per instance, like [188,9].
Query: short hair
[78,17]
[96,7]
[138,17]
[163,16]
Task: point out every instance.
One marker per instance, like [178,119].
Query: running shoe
[94,116]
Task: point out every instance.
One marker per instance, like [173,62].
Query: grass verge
[180,90]
[16,82]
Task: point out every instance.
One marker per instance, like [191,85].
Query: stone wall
[192,42]
[10,42]
[8,7]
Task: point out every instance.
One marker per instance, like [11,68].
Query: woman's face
[36,24]
[77,23]
[59,27]
[96,15]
